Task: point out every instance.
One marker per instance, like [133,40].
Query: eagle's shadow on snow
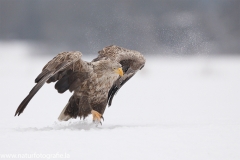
[81,125]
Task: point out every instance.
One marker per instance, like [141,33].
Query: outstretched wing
[63,64]
[131,61]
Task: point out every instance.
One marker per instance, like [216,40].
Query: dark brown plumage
[94,83]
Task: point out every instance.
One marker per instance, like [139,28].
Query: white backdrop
[175,108]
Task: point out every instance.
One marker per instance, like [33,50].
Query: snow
[175,108]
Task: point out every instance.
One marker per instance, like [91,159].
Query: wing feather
[114,89]
[60,63]
[35,89]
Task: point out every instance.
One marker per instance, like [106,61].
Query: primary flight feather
[94,84]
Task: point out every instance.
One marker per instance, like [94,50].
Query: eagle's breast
[100,85]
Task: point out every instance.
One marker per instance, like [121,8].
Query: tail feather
[62,116]
[35,89]
[76,107]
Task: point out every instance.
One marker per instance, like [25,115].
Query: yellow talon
[96,116]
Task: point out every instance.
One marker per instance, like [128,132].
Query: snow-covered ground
[176,108]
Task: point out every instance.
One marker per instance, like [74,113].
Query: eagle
[93,84]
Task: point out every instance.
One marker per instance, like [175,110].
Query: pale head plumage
[108,67]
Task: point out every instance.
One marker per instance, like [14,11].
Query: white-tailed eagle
[94,84]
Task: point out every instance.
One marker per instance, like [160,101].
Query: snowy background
[184,104]
[175,108]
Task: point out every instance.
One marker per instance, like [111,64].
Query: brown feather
[35,89]
[94,83]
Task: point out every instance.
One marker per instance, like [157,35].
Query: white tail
[62,116]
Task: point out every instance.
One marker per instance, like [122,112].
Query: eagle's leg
[97,111]
[96,117]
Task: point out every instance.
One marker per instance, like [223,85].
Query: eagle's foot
[97,117]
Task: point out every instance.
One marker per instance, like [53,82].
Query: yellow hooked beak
[119,71]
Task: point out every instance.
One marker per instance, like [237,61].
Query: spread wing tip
[25,102]
[21,107]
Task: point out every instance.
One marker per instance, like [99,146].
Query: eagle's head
[108,67]
[117,68]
